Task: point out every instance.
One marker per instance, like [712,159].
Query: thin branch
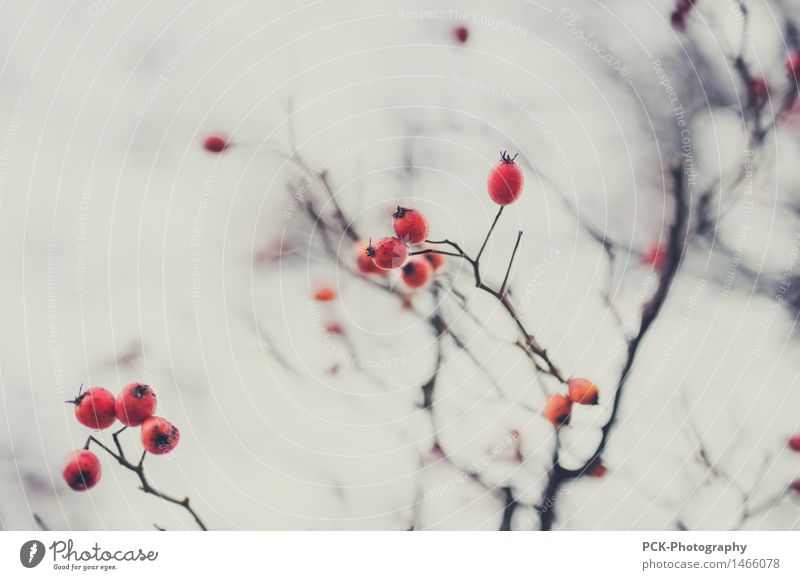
[510,263]
[138,469]
[489,233]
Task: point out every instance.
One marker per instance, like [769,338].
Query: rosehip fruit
[135,403]
[596,469]
[558,410]
[82,470]
[410,225]
[95,408]
[365,263]
[417,272]
[461,34]
[656,257]
[794,443]
[436,260]
[582,391]
[215,144]
[159,436]
[505,181]
[325,294]
[388,253]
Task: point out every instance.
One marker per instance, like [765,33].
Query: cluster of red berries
[504,185]
[97,408]
[558,409]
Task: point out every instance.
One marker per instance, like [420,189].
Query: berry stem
[489,233]
[138,469]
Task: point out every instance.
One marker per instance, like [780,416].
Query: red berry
[656,257]
[582,391]
[364,262]
[159,436]
[410,225]
[505,181]
[795,485]
[436,260]
[95,408]
[461,34]
[417,272]
[794,443]
[558,410]
[596,469]
[135,403]
[215,144]
[334,328]
[325,294]
[793,64]
[388,253]
[82,470]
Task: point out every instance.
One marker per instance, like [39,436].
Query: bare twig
[138,469]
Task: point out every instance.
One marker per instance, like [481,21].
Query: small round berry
[417,272]
[505,181]
[596,469]
[388,253]
[334,328]
[461,34]
[82,470]
[215,143]
[410,225]
[656,257]
[794,443]
[95,408]
[582,391]
[135,403]
[159,436]
[436,260]
[325,294]
[364,262]
[558,410]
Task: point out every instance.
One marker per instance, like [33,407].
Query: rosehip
[159,436]
[82,470]
[410,225]
[461,34]
[436,260]
[596,469]
[365,263]
[95,408]
[215,144]
[505,181]
[135,403]
[388,253]
[656,257]
[325,294]
[794,443]
[793,64]
[417,272]
[558,410]
[582,391]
